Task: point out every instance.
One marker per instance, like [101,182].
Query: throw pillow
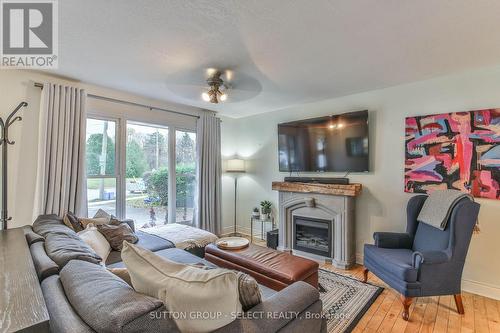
[96,241]
[122,273]
[71,221]
[249,291]
[185,289]
[117,234]
[101,213]
[94,221]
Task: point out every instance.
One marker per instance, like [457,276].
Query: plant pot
[256,215]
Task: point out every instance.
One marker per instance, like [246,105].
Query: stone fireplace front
[317,221]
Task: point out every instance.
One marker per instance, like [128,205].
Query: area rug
[345,300]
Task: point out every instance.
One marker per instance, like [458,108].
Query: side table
[262,222]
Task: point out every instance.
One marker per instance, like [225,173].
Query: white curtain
[60,184]
[209,173]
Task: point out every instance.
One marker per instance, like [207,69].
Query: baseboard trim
[470,286]
[481,288]
[227,231]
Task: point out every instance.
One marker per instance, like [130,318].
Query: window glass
[147,175]
[101,168]
[185,176]
[101,147]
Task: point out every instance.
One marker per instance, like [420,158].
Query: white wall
[381,206]
[17,86]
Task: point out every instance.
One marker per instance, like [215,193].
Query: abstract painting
[459,150]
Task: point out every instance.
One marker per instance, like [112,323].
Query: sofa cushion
[65,247]
[50,224]
[185,289]
[397,262]
[63,317]
[146,241]
[31,236]
[104,301]
[44,266]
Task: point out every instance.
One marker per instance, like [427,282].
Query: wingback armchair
[424,261]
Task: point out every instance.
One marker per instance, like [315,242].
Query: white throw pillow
[200,300]
[96,241]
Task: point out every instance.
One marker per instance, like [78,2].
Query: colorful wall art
[458,150]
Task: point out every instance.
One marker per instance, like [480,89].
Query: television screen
[337,143]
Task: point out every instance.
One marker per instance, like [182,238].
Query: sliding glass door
[128,168]
[147,174]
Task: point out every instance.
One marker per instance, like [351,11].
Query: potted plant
[256,213]
[265,207]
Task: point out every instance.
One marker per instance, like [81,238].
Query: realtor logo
[29,34]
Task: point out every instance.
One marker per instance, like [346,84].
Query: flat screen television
[337,143]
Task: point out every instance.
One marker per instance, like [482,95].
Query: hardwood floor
[427,314]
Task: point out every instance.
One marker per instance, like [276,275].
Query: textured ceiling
[285,52]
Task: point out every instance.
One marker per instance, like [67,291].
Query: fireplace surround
[326,216]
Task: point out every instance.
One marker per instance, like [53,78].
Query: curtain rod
[115,100]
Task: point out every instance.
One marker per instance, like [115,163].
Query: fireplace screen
[312,235]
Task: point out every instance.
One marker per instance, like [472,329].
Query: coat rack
[4,142]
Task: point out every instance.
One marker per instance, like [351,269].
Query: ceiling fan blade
[193,92]
[192,83]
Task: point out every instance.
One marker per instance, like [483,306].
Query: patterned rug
[345,300]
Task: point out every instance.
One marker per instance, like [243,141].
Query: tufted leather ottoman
[271,268]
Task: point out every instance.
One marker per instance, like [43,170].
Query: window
[185,176]
[147,175]
[101,165]
[128,171]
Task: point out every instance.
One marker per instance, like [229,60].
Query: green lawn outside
[94,183]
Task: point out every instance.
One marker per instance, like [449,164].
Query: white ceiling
[293,51]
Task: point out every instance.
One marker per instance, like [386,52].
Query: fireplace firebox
[312,235]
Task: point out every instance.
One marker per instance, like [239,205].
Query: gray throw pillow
[117,232]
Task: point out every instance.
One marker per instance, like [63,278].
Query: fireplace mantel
[351,190]
[326,202]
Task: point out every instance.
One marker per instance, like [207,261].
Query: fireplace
[324,212]
[312,235]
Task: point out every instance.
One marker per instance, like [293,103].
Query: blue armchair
[424,261]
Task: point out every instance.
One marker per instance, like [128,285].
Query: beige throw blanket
[183,236]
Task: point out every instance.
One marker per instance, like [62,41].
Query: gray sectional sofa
[83,296]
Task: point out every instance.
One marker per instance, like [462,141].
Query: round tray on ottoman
[232,243]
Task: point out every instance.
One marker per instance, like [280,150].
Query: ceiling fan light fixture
[205,96]
[217,92]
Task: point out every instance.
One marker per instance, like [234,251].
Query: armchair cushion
[393,240]
[396,262]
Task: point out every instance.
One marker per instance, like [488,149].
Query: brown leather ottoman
[272,268]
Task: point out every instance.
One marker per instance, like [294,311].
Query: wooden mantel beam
[351,190]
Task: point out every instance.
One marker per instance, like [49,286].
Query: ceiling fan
[213,85]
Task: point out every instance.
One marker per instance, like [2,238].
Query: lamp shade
[235,165]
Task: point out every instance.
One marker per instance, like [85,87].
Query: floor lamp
[236,166]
